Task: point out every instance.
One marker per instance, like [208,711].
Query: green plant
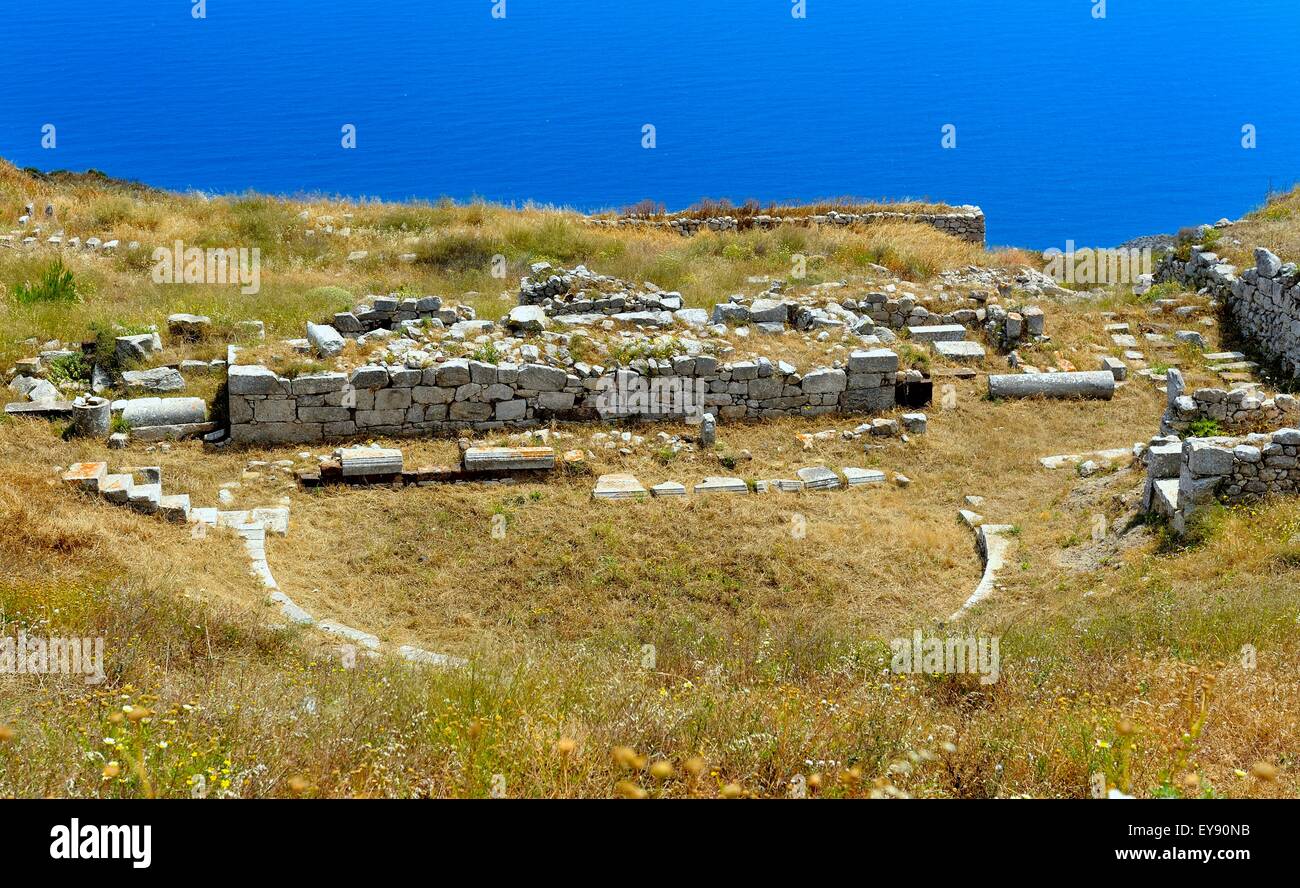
[57,284]
[1206,427]
[69,368]
[486,353]
[119,424]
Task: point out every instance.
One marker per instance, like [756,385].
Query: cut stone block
[786,485]
[959,351]
[508,459]
[157,379]
[668,488]
[145,497]
[40,409]
[618,486]
[116,488]
[360,461]
[938,333]
[86,476]
[818,478]
[1115,367]
[175,507]
[860,477]
[722,485]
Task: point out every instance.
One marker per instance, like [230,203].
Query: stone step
[175,507]
[86,476]
[116,488]
[145,498]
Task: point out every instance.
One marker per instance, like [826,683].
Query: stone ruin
[966,222]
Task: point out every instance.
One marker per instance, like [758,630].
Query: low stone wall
[1183,476]
[1263,302]
[965,222]
[1236,409]
[464,395]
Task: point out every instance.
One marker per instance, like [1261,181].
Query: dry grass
[1275,225]
[307,276]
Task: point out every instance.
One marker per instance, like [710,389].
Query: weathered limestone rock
[139,347]
[1091,384]
[188,327]
[325,340]
[526,319]
[915,423]
[42,390]
[708,430]
[157,379]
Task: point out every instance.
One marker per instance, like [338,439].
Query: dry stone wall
[1263,301]
[966,222]
[461,394]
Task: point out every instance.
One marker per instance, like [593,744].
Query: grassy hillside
[1120,655]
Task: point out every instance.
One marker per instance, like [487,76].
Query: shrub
[57,284]
[1206,427]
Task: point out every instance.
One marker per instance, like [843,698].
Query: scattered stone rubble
[624,486]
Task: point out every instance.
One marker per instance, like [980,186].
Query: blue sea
[1067,126]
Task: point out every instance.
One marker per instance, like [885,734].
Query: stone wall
[1263,301]
[1240,408]
[464,395]
[1183,476]
[965,222]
